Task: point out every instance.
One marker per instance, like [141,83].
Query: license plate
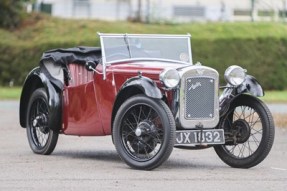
[200,137]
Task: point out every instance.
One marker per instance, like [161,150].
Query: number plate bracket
[200,137]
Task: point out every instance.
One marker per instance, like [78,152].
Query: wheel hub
[41,121]
[144,127]
[138,132]
[145,133]
[241,130]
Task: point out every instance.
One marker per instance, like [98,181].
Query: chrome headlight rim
[170,78]
[235,75]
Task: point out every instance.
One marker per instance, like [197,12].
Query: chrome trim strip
[148,59]
[103,56]
[144,35]
[189,52]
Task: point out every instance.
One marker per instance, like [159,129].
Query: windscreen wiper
[127,43]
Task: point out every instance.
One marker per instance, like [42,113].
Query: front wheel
[249,132]
[42,140]
[144,132]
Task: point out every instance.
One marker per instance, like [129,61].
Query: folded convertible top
[54,63]
[78,55]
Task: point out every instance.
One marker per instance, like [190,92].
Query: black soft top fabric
[78,55]
[64,57]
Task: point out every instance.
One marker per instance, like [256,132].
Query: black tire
[250,121]
[144,132]
[42,140]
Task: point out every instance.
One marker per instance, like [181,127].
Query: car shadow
[186,164]
[109,156]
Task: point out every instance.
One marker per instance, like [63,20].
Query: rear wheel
[42,140]
[249,132]
[144,132]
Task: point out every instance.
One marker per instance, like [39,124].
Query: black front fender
[133,86]
[36,79]
[251,86]
[146,85]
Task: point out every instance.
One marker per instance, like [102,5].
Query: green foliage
[11,13]
[264,58]
[261,48]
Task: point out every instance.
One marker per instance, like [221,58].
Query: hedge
[264,56]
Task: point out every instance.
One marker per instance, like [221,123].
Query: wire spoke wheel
[38,120]
[144,132]
[249,133]
[41,139]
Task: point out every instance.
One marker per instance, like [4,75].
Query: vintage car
[145,91]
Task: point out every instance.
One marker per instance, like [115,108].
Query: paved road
[278,108]
[93,164]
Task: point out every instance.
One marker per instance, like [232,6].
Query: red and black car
[145,91]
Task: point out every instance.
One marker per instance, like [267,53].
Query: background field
[261,48]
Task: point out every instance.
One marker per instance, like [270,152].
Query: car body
[145,91]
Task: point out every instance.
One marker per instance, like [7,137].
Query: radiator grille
[199,98]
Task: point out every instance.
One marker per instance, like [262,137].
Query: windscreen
[121,47]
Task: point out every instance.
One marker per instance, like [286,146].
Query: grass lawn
[7,93]
[44,28]
[275,96]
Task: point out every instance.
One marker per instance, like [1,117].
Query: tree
[139,11]
[11,13]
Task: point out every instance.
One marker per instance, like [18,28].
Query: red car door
[81,115]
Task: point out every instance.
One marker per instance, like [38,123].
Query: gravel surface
[91,163]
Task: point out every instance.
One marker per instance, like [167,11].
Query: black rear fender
[36,79]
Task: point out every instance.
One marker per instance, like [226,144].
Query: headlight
[235,75]
[170,78]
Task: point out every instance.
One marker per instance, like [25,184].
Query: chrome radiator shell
[198,97]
